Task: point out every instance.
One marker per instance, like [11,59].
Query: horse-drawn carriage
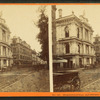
[65,79]
[68,78]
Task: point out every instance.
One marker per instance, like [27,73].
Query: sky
[92,12]
[20,20]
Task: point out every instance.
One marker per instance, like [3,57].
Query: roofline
[73,16]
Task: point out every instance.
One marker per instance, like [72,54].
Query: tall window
[4,35]
[87,49]
[66,32]
[67,48]
[4,51]
[82,32]
[4,62]
[79,49]
[77,32]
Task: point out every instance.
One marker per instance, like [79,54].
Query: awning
[60,61]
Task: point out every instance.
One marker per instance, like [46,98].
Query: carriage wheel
[75,85]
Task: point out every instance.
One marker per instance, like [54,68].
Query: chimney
[60,13]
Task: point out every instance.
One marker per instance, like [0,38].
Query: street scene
[24,80]
[76,48]
[23,54]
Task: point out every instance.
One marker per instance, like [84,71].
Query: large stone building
[97,48]
[72,40]
[5,48]
[22,53]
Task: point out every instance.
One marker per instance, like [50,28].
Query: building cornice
[70,18]
[5,43]
[75,39]
[23,46]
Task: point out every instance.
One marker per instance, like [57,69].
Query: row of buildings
[72,38]
[23,54]
[97,48]
[15,51]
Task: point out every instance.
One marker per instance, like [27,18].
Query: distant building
[34,58]
[22,53]
[72,40]
[97,47]
[5,48]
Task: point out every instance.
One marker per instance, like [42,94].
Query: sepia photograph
[76,48]
[24,48]
[49,48]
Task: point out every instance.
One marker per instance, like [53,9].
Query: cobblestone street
[24,80]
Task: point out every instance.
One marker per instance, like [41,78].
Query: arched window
[66,32]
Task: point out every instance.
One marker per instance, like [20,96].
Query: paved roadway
[92,87]
[90,80]
[24,80]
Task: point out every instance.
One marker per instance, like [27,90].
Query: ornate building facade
[22,53]
[5,48]
[73,40]
[97,48]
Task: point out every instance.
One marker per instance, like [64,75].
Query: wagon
[68,78]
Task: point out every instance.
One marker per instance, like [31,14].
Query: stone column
[88,36]
[73,47]
[80,33]
[9,52]
[73,59]
[76,47]
[6,37]
[84,47]
[83,34]
[6,51]
[0,33]
[61,65]
[90,61]
[1,63]
[82,61]
[7,63]
[1,50]
[85,61]
[70,47]
[91,50]
[80,48]
[77,60]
